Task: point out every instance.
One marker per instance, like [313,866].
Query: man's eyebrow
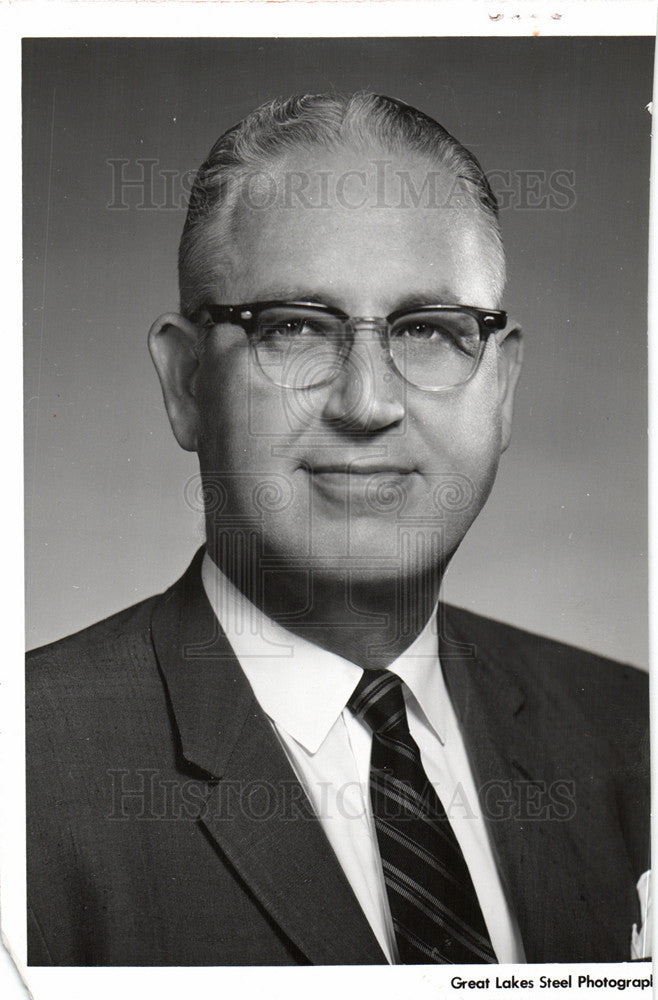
[411,300]
[290,294]
[440,297]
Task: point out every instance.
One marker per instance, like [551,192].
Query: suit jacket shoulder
[87,696]
[608,699]
[548,665]
[105,635]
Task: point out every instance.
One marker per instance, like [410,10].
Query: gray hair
[307,121]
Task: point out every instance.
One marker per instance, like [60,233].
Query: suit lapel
[257,813]
[556,865]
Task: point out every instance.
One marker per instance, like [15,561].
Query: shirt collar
[420,669]
[302,687]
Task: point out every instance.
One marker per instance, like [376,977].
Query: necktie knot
[379,702]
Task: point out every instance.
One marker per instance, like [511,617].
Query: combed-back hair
[359,121]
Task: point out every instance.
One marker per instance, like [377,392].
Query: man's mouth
[357,483]
[357,467]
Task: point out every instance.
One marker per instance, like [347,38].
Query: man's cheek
[468,447]
[467,478]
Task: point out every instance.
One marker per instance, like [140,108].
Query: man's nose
[367,394]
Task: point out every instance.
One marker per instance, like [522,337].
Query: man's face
[368,473]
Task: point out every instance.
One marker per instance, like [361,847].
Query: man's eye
[421,331]
[287,328]
[294,327]
[441,338]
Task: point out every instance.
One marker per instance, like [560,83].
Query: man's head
[369,207]
[239,174]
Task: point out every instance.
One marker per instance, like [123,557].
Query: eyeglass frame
[246,315]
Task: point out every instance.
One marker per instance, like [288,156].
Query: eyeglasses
[303,345]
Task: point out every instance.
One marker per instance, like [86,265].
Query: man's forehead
[339,223]
[346,179]
[367,281]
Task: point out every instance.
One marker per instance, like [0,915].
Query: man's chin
[384,564]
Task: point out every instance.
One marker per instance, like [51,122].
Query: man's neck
[367,621]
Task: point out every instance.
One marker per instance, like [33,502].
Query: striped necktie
[434,907]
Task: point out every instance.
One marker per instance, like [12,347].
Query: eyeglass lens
[301,348]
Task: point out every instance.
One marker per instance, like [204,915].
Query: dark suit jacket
[216,858]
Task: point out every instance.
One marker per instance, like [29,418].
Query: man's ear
[510,357]
[172,342]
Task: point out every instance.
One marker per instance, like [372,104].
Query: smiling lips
[338,482]
[352,469]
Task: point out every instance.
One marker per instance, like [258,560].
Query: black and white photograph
[336,558]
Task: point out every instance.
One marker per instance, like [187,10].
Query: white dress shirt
[303,689]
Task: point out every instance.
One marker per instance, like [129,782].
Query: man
[295,755]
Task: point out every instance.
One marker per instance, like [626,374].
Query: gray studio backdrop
[560,125]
